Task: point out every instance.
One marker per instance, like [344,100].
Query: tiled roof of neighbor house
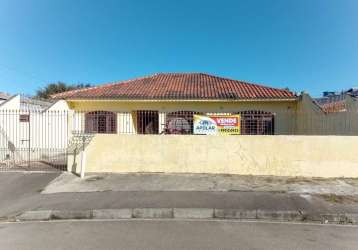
[35,104]
[179,86]
[4,96]
[336,101]
[331,107]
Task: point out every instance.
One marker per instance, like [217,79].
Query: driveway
[21,190]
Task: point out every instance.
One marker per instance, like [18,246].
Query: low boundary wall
[309,156]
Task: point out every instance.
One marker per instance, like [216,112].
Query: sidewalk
[153,195]
[200,182]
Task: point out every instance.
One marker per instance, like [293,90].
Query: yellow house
[166,103]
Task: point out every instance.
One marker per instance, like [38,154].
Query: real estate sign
[217,124]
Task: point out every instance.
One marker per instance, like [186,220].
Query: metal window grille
[102,122]
[180,122]
[147,122]
[257,123]
[253,122]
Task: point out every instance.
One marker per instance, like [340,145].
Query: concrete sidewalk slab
[199,182]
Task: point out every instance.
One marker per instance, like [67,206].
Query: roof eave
[182,100]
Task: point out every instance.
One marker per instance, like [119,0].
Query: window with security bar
[257,123]
[24,118]
[252,122]
[180,122]
[102,122]
[147,122]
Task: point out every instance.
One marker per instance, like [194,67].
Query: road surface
[170,234]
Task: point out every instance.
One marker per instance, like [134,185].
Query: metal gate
[33,140]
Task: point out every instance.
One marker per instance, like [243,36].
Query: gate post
[83,158]
[69,126]
[29,142]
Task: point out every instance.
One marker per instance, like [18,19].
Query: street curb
[194,213]
[188,213]
[148,213]
[39,215]
[112,214]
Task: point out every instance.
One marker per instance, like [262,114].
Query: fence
[182,122]
[33,139]
[37,140]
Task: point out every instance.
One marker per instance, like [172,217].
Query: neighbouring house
[338,101]
[23,103]
[32,130]
[165,103]
[3,97]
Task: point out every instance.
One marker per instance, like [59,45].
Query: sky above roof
[304,45]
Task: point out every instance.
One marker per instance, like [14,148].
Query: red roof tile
[179,86]
[337,106]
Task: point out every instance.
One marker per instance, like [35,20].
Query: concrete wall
[320,156]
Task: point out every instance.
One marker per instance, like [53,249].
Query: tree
[59,87]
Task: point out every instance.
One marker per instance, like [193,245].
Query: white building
[32,131]
[3,97]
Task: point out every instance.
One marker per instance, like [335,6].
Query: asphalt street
[162,234]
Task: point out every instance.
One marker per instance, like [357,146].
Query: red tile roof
[331,107]
[179,86]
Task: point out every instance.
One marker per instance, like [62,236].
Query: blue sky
[307,45]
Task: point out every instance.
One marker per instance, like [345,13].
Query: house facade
[108,122]
[167,103]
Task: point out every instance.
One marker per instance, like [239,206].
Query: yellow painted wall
[319,156]
[300,117]
[285,122]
